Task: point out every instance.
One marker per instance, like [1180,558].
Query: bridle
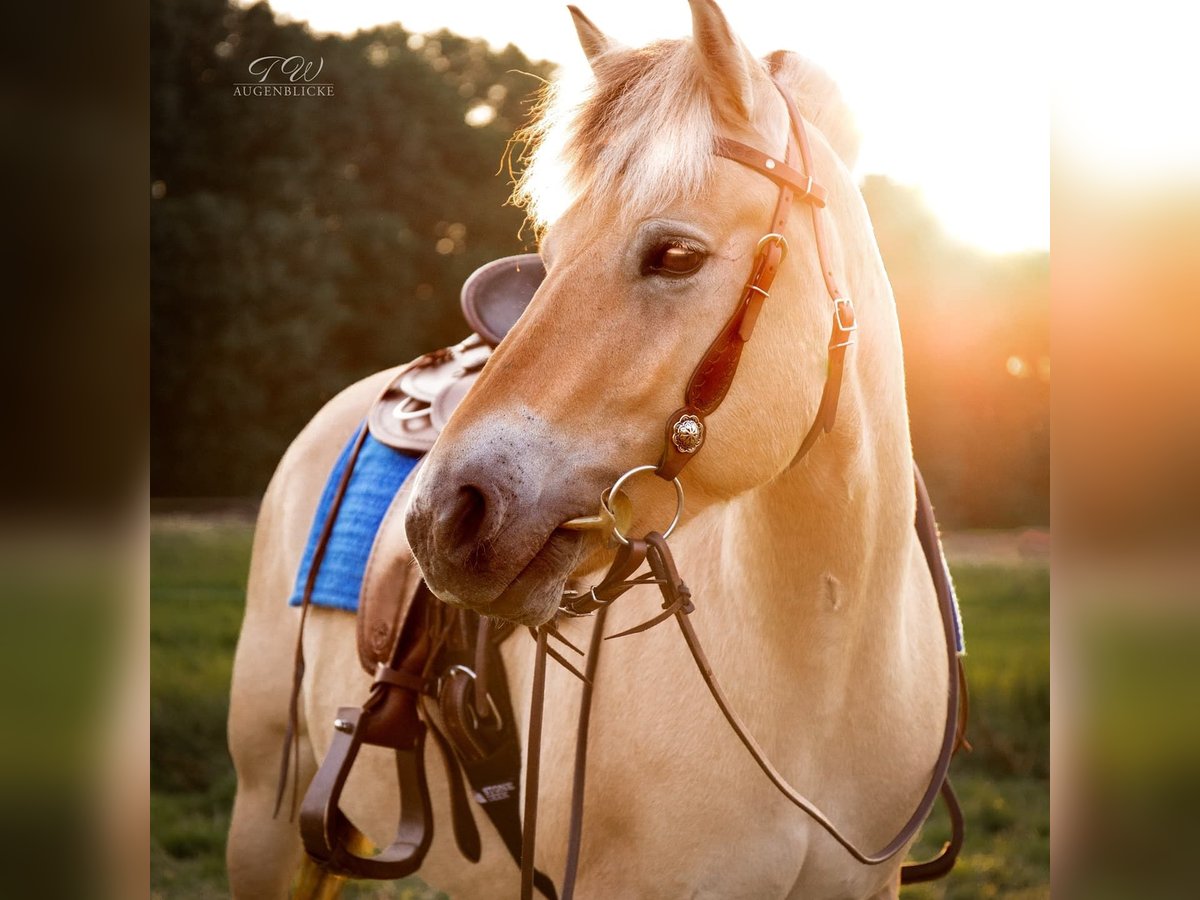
[686,428]
[685,434]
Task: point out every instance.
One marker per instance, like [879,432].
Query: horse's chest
[676,807]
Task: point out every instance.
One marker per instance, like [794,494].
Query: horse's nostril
[468,515]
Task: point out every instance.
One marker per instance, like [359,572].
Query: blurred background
[301,243]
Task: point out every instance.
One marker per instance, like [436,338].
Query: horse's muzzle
[486,534]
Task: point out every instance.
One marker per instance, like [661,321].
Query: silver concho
[687,434]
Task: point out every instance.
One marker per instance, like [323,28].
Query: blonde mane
[642,130]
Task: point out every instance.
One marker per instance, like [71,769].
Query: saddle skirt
[415,407]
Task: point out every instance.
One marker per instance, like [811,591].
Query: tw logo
[293,68]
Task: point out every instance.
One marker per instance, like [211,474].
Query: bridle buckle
[777,238]
[845,303]
[845,320]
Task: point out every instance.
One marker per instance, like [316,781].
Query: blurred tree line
[976,331]
[300,243]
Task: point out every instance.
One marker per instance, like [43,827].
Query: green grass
[1003,783]
[1006,613]
[197,590]
[198,578]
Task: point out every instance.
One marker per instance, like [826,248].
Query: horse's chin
[533,596]
[594,560]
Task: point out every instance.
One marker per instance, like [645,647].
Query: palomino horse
[811,590]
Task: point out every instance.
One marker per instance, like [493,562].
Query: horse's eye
[672,259]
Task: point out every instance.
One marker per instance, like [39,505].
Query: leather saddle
[410,414]
[437,670]
[413,410]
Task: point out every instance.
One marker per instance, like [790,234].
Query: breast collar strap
[686,428]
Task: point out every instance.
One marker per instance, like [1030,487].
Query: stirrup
[328,833]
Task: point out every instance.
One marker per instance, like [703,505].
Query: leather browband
[779,172]
[710,382]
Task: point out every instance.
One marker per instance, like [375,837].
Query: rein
[677,603]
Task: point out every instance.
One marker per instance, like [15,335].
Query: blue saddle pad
[379,472]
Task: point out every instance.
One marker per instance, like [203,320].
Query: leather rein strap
[677,603]
[687,428]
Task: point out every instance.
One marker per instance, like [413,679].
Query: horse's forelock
[642,134]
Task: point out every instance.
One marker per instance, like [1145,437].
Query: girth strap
[466,834]
[475,711]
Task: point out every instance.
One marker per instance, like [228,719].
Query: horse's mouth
[533,595]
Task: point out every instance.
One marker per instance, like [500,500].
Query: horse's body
[811,590]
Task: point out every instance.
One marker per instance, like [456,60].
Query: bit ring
[617,487]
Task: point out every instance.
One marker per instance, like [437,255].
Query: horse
[811,591]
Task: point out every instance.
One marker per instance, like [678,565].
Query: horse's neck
[819,560]
[822,520]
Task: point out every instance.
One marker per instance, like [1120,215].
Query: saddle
[437,670]
[414,408]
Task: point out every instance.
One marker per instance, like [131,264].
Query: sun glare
[1107,121]
[950,97]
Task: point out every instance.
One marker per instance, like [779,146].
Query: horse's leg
[315,883]
[264,850]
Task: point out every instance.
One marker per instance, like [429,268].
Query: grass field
[198,576]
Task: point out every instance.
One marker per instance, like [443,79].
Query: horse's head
[648,238]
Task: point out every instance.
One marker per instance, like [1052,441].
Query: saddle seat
[414,409]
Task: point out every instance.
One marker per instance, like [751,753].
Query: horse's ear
[725,62]
[819,99]
[592,39]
